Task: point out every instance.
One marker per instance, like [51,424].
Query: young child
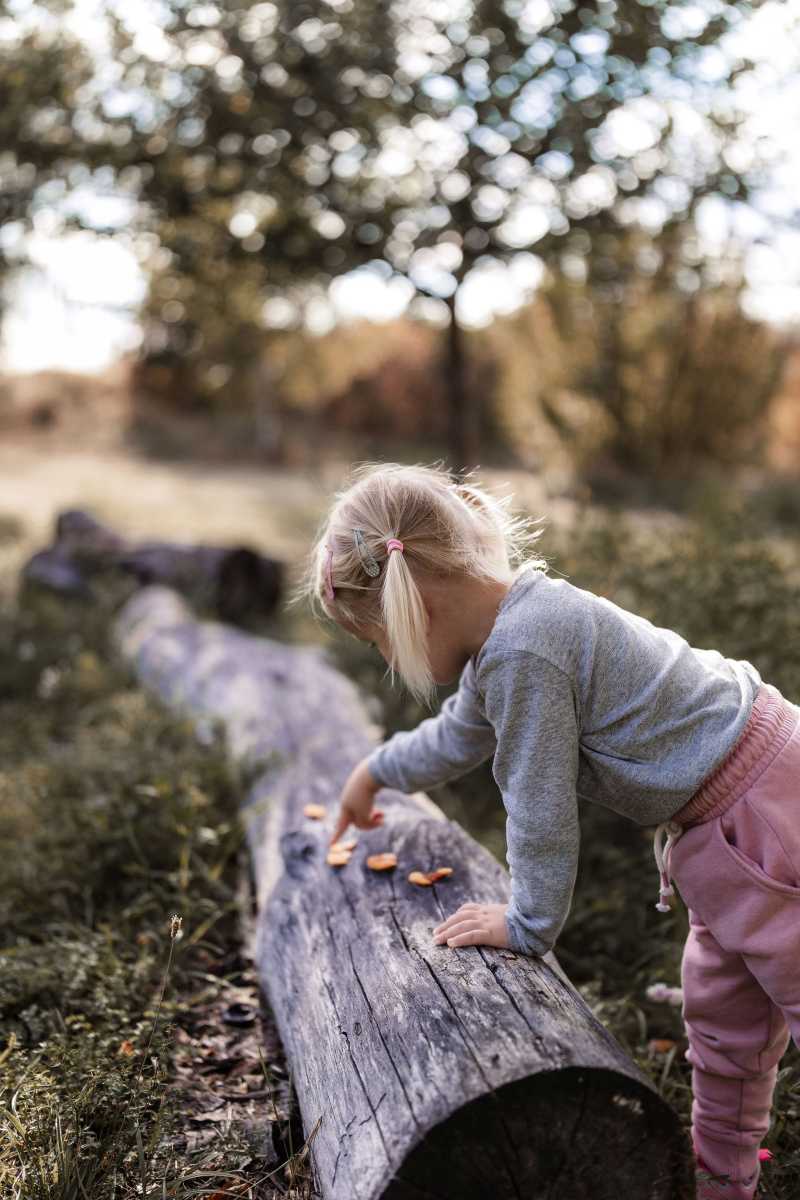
[575,696]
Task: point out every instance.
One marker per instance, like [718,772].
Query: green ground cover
[113,818]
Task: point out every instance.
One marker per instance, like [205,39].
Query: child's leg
[736,1038]
[739,874]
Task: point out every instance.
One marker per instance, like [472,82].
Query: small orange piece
[660,1045]
[338,858]
[350,844]
[127,1048]
[426,878]
[317,811]
[382,862]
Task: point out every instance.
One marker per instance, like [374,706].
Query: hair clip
[328,580]
[368,561]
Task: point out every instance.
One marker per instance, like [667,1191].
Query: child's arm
[534,711]
[441,748]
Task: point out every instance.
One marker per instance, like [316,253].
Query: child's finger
[342,821]
[464,910]
[455,927]
[475,937]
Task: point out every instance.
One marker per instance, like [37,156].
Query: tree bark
[425,1073]
[464,404]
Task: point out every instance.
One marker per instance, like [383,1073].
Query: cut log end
[580,1134]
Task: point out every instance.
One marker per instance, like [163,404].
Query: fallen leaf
[127,1048]
[418,877]
[382,862]
[660,1045]
[317,811]
[338,858]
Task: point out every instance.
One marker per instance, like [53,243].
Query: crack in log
[552,1193]
[558,1053]
[342,1136]
[492,972]
[377,1106]
[481,1071]
[344,1034]
[348,900]
[383,1040]
[448,1099]
[399,929]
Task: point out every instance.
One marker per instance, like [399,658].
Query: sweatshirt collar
[514,590]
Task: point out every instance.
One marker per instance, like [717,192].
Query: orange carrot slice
[338,858]
[419,878]
[350,844]
[382,862]
[317,811]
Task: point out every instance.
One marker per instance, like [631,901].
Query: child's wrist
[369,779]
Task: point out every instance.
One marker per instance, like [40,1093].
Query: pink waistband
[768,729]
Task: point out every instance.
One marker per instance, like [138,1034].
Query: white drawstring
[673,831]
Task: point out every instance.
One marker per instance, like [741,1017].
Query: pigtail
[448,529]
[405,621]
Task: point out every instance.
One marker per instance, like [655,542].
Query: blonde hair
[446,527]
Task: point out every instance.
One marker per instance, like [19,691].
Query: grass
[114,819]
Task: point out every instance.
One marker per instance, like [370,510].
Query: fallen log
[232,581]
[424,1073]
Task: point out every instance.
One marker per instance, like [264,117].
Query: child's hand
[475,925]
[355,802]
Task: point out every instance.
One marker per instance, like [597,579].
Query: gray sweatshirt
[575,697]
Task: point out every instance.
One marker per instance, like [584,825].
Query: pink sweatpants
[738,871]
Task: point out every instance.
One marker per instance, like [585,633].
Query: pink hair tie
[328,580]
[394,544]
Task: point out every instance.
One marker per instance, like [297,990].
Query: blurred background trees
[265,149]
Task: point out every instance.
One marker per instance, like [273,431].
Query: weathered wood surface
[232,581]
[430,1072]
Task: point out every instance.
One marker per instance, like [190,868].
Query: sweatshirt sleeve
[443,747]
[534,710]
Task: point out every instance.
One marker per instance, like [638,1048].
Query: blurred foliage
[232,129]
[267,148]
[652,380]
[42,70]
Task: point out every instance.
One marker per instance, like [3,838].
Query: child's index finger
[341,825]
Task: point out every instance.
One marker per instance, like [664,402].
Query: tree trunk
[424,1073]
[464,405]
